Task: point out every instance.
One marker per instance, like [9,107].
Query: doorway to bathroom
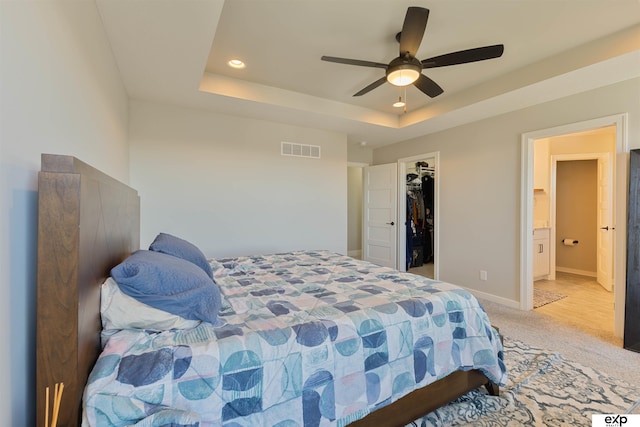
[581,260]
[574,142]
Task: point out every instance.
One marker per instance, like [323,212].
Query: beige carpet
[540,330]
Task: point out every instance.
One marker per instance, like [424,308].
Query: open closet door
[380,221]
[632,299]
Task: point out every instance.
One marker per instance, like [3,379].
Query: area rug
[543,389]
[542,297]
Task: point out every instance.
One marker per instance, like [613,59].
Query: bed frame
[87,223]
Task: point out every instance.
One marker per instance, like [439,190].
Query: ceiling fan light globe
[403,71]
[403,77]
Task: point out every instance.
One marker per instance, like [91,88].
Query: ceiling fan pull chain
[405,100]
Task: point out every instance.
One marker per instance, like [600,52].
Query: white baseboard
[576,271]
[494,298]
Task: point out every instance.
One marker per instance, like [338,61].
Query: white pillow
[120,311]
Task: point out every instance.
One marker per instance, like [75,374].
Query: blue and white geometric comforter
[312,338]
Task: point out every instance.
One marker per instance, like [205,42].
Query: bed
[301,338]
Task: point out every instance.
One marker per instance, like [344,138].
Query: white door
[380,214]
[605,222]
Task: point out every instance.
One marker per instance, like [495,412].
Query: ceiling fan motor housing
[403,70]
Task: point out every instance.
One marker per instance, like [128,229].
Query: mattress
[310,338]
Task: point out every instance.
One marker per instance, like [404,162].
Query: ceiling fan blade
[415,22]
[428,86]
[354,62]
[464,56]
[372,86]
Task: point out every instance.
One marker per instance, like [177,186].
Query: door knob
[604,228]
[391,223]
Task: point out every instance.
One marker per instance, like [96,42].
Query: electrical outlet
[483,275]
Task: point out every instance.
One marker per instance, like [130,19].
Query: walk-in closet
[420,180]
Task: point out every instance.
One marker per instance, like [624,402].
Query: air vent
[300,150]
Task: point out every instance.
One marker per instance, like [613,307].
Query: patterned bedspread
[312,338]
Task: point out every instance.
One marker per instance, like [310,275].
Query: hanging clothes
[427,190]
[428,199]
[414,221]
[409,234]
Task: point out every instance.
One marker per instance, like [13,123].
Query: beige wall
[354,196]
[541,184]
[480,174]
[600,141]
[221,182]
[597,141]
[576,215]
[61,94]
[357,153]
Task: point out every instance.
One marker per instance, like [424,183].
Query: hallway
[588,306]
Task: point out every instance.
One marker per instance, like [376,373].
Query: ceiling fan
[406,69]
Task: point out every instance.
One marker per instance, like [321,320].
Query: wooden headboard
[87,223]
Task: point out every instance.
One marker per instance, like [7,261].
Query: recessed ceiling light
[236,63]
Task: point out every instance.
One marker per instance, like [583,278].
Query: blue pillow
[169,283]
[172,245]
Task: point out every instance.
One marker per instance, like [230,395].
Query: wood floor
[425,270]
[588,306]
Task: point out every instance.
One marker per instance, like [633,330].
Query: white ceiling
[176,51]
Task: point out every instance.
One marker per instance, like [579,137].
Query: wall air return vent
[300,150]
